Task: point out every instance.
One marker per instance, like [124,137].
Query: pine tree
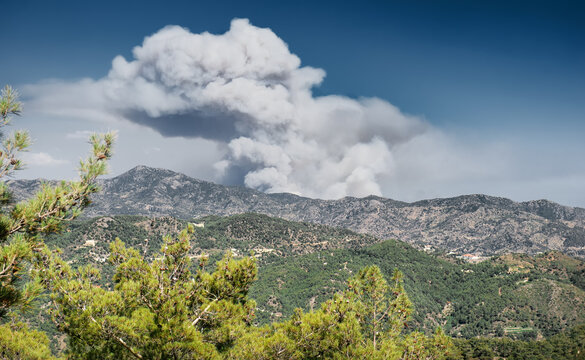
[22,226]
[382,315]
[366,321]
[158,309]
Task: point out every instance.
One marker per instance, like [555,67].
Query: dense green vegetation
[504,296]
[467,300]
[320,277]
[302,265]
[270,238]
[569,344]
[169,308]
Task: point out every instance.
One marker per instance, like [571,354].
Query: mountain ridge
[476,223]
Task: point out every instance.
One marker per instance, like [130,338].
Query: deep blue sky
[490,63]
[507,70]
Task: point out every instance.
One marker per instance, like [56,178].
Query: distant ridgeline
[477,225]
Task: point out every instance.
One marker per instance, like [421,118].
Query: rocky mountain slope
[478,224]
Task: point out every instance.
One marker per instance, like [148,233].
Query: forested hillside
[302,265]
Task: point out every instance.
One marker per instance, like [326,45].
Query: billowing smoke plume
[245,89]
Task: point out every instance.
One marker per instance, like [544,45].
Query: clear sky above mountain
[406,99]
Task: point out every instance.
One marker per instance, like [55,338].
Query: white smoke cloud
[246,90]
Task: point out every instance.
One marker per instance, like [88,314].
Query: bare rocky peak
[477,224]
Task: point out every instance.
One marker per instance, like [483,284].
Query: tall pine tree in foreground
[156,310]
[23,224]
